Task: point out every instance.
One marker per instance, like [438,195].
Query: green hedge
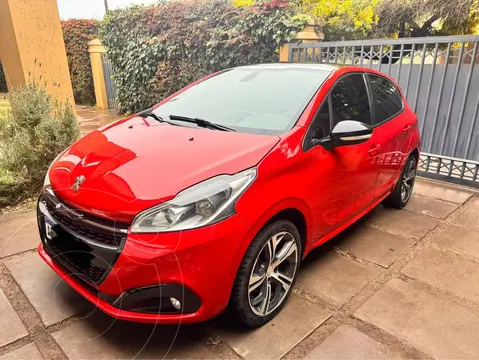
[76,34]
[156,50]
[3,82]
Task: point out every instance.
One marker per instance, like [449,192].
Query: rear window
[263,100]
[387,100]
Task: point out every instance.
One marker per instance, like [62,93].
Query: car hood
[134,164]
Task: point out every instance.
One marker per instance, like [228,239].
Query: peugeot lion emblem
[78,181]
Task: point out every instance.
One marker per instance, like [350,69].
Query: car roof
[305,66]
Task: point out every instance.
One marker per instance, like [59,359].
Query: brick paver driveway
[400,284]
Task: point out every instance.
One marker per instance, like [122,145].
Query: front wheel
[266,275]
[403,190]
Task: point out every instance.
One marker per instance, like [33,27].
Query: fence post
[95,48]
[309,35]
[284,53]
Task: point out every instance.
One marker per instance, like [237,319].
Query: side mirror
[347,132]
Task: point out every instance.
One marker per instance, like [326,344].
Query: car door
[394,128]
[345,176]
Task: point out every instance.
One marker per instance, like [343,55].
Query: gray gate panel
[109,83]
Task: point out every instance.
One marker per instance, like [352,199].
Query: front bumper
[197,267]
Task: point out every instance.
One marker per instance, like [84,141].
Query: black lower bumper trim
[156,300]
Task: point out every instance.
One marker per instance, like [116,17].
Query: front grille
[86,246]
[76,223]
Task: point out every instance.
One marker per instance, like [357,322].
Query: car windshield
[260,100]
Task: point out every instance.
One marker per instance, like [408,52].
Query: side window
[321,122]
[350,100]
[387,99]
[320,125]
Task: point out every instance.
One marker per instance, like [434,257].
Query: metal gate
[440,79]
[109,83]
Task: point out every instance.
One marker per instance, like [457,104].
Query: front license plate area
[49,231]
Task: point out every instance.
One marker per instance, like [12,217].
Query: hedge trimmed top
[156,50]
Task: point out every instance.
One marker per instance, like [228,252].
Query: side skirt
[348,223]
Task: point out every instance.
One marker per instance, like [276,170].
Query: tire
[404,187]
[253,308]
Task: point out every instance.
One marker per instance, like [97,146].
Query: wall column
[32,47]
[96,49]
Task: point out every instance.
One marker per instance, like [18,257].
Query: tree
[359,19]
[342,19]
[416,18]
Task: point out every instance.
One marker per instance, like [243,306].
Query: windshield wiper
[145,114]
[201,123]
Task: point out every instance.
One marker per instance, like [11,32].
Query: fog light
[176,303]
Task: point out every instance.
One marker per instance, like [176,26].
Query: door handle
[406,128]
[374,150]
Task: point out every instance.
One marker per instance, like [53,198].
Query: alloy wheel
[273,273]
[407,181]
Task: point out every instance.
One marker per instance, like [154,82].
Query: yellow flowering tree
[357,14]
[243,2]
[340,18]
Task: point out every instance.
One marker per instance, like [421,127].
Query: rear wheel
[403,190]
[266,275]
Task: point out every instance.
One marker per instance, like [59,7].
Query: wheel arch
[293,209]
[415,153]
[297,218]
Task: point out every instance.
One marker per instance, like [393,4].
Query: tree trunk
[106,5]
[402,29]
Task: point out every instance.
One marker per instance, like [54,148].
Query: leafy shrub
[76,34]
[3,81]
[156,50]
[32,133]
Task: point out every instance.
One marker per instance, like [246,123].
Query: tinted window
[266,100]
[387,99]
[321,124]
[350,100]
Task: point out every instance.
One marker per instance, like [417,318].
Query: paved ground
[400,284]
[91,118]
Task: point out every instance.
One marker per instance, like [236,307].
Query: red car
[211,199]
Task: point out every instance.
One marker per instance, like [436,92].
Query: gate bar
[380,57]
[429,85]
[420,76]
[441,88]
[401,52]
[473,125]
[390,59]
[464,100]
[413,49]
[451,101]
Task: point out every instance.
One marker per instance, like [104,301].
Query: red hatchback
[211,199]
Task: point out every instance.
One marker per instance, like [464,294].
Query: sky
[92,9]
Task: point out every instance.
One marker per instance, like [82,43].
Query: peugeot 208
[210,200]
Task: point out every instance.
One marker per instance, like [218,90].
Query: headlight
[205,203]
